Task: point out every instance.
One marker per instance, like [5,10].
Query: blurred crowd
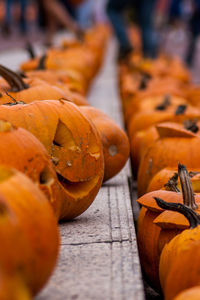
[76,15]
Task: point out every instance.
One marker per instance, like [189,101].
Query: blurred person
[194,26]
[144,11]
[6,28]
[85,13]
[58,12]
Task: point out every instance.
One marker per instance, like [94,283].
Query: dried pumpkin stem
[30,50]
[41,64]
[192,216]
[171,185]
[14,80]
[188,194]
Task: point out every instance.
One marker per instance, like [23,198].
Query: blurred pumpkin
[114,140]
[29,236]
[175,143]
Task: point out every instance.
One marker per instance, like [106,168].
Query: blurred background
[175,24]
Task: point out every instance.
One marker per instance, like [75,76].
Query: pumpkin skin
[73,144]
[20,149]
[179,261]
[114,140]
[30,89]
[164,152]
[150,240]
[73,80]
[27,225]
[156,228]
[192,294]
[26,90]
[153,104]
[144,120]
[139,143]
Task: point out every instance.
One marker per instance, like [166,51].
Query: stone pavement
[98,257]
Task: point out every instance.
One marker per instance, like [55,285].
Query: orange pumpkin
[114,140]
[173,113]
[173,145]
[73,144]
[29,236]
[179,261]
[154,104]
[73,80]
[26,90]
[139,143]
[156,228]
[20,149]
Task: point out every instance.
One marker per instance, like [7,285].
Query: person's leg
[145,14]
[7,21]
[23,24]
[194,26]
[115,10]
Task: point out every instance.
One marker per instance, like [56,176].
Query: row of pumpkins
[162,116]
[54,153]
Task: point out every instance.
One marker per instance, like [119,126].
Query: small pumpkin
[29,236]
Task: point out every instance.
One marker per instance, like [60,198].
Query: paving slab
[99,256]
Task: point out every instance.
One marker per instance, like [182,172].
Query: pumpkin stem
[191,125]
[188,194]
[171,185]
[41,64]
[181,109]
[30,50]
[14,80]
[192,216]
[163,105]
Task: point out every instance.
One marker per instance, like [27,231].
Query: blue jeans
[8,17]
[144,12]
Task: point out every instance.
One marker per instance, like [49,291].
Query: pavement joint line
[98,242]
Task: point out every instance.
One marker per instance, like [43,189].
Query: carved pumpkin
[165,152]
[73,80]
[27,90]
[173,113]
[179,261]
[139,143]
[154,104]
[151,237]
[20,149]
[29,236]
[73,144]
[114,140]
